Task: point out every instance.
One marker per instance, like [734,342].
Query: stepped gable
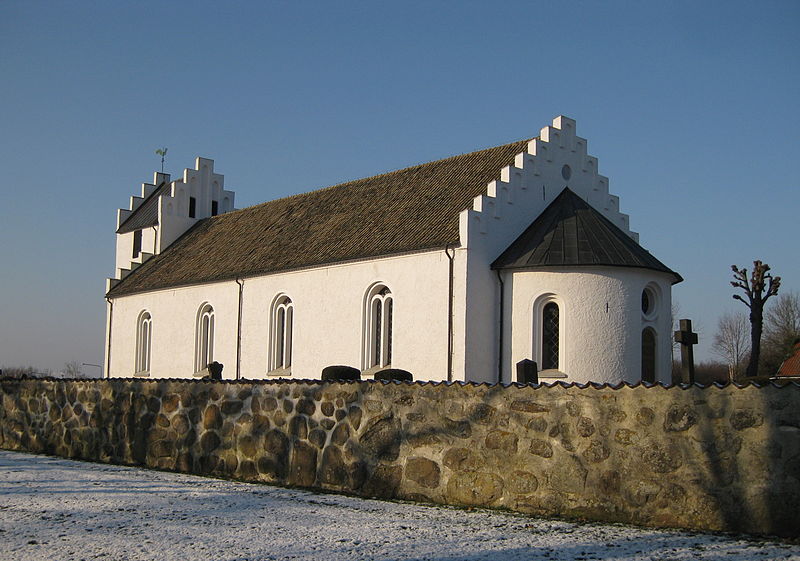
[411,209]
[146,215]
[570,232]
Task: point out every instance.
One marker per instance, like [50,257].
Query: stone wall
[718,458]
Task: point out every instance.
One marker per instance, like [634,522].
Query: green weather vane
[163,153]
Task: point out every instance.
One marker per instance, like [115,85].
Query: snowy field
[63,510]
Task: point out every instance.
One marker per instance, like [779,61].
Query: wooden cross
[686,338]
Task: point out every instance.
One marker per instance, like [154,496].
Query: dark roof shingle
[407,210]
[570,232]
[146,215]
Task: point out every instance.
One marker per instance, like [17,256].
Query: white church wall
[555,160]
[124,255]
[328,319]
[174,319]
[601,321]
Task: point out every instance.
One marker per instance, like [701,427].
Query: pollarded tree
[758,288]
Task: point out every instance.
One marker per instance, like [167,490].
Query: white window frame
[144,339]
[204,337]
[378,327]
[281,333]
[537,315]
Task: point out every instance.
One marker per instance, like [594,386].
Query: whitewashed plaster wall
[328,319]
[554,160]
[125,260]
[598,344]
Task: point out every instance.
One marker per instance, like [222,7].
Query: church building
[454,270]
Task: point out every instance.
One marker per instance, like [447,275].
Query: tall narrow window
[281,333]
[378,327]
[214,208]
[137,243]
[192,207]
[648,355]
[144,337]
[550,336]
[204,341]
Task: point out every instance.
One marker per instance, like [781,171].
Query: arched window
[144,337]
[204,341]
[282,321]
[550,336]
[378,314]
[648,355]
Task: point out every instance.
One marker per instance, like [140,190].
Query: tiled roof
[570,232]
[407,210]
[791,366]
[146,215]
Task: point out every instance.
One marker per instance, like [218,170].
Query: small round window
[566,172]
[649,302]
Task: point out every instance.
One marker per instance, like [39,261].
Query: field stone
[585,427]
[384,481]
[474,488]
[303,467]
[502,440]
[341,434]
[381,438]
[645,416]
[522,482]
[317,437]
[680,418]
[746,418]
[212,418]
[354,413]
[541,448]
[527,406]
[298,427]
[209,442]
[247,445]
[423,471]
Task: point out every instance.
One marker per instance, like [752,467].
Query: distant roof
[570,232]
[791,366]
[411,209]
[146,215]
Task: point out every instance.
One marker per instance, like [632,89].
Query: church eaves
[570,232]
[408,210]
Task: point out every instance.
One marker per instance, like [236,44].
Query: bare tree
[732,342]
[72,369]
[758,289]
[781,330]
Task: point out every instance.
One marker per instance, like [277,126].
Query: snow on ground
[51,508]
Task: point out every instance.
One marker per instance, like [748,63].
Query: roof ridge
[609,244]
[372,177]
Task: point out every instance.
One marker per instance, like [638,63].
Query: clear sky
[692,109]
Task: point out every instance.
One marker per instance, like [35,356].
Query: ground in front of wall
[58,509]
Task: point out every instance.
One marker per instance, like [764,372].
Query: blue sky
[691,108]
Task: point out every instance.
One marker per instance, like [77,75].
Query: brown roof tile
[407,210]
[791,366]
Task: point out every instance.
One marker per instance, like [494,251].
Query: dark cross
[527,372]
[686,338]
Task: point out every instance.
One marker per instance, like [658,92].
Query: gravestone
[687,339]
[527,372]
[215,370]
